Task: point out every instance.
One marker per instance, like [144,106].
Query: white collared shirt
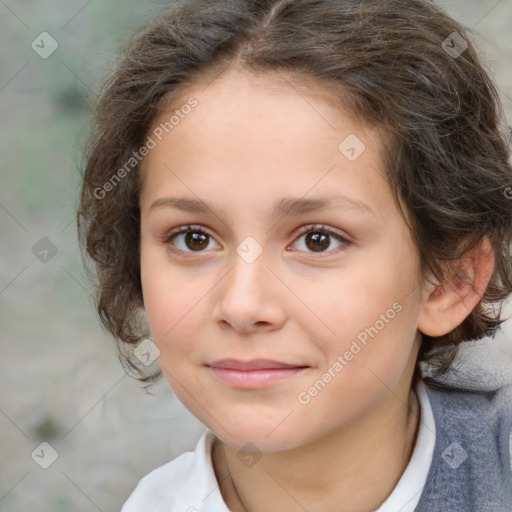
[188,482]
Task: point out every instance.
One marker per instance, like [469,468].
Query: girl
[309,202]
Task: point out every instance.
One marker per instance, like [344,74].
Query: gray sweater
[472,406]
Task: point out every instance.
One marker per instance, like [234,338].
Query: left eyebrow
[286,206]
[297,206]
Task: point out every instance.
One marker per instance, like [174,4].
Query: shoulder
[177,484]
[510,450]
[472,448]
[478,366]
[160,485]
[473,418]
[472,401]
[157,486]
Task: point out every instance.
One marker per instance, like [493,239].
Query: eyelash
[313,228]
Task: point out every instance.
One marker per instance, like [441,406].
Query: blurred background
[61,381]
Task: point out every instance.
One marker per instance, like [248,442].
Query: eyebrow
[286,206]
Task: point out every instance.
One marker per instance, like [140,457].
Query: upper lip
[254,364]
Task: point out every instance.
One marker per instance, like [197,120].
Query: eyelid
[183,229]
[326,229]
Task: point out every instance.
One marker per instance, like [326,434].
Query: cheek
[168,300]
[175,300]
[368,317]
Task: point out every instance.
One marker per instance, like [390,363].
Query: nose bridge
[247,296]
[249,274]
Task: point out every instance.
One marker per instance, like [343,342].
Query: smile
[254,374]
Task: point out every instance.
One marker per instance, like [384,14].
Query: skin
[250,142]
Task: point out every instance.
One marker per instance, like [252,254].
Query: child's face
[305,300]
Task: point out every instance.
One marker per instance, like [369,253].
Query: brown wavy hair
[388,61]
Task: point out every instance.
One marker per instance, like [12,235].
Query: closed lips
[257,364]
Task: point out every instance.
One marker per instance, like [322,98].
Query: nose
[250,298]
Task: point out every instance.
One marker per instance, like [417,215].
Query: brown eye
[318,239]
[195,239]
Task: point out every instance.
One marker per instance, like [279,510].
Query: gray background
[61,381]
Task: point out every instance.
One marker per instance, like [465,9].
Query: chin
[257,437]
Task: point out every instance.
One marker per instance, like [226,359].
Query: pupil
[195,238]
[319,241]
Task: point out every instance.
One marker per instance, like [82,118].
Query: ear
[446,305]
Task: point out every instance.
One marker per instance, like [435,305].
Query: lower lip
[255,379]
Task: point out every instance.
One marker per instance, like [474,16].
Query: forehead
[255,86]
[266,134]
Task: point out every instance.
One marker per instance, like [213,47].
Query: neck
[357,466]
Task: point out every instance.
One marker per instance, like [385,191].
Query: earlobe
[446,305]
